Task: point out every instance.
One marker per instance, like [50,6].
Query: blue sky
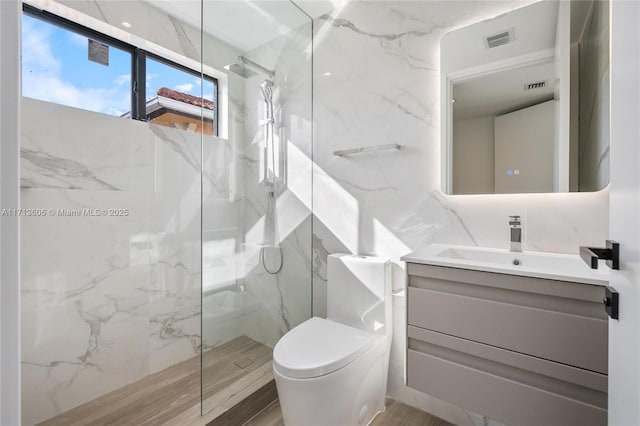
[55,68]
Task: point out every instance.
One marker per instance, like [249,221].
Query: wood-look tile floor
[396,414]
[161,397]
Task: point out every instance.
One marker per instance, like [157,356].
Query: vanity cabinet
[518,349]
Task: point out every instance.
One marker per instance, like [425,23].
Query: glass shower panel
[111,284]
[256,191]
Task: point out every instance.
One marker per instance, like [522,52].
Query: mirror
[525,101]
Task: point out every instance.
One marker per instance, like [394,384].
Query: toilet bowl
[333,371]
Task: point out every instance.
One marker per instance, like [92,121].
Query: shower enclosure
[166,155]
[256,199]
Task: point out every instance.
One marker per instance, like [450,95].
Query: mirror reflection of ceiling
[503,92]
[244,24]
[534,30]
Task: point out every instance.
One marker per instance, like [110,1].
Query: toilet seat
[318,347]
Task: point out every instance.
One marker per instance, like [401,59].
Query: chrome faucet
[516,233]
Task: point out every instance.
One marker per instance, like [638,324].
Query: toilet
[333,371]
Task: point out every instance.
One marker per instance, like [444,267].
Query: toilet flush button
[363,414]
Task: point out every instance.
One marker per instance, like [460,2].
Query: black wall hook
[611,253]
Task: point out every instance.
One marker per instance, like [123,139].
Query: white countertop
[552,266]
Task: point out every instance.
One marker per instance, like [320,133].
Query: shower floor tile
[164,396]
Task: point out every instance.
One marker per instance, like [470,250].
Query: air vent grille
[535,85]
[498,40]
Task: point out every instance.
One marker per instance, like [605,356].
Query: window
[55,68]
[178,97]
[68,64]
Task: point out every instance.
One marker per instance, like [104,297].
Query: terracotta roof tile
[183,97]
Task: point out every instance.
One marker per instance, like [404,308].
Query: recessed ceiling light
[126,24]
[327,74]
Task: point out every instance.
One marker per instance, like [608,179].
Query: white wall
[624,335]
[9,225]
[524,144]
[473,156]
[377,81]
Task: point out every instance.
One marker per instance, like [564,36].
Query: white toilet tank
[359,292]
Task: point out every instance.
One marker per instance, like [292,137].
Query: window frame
[138,62]
[204,77]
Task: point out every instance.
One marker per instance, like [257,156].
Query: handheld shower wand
[271,219]
[266,87]
[267,91]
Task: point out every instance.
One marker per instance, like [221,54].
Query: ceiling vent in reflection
[499,39]
[535,85]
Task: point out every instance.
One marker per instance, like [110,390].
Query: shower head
[247,68]
[241,70]
[267,90]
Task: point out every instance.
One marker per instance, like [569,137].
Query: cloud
[150,77]
[52,89]
[187,87]
[79,40]
[36,49]
[123,79]
[42,76]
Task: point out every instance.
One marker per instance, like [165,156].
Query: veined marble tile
[319,254]
[83,152]
[270,320]
[558,223]
[81,250]
[223,168]
[175,330]
[146,21]
[286,297]
[222,316]
[177,160]
[485,218]
[84,299]
[175,279]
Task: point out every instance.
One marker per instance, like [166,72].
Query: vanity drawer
[547,333]
[532,285]
[510,387]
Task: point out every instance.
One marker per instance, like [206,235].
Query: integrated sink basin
[554,266]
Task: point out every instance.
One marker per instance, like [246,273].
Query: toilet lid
[319,346]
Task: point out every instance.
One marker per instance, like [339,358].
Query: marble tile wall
[377,81]
[106,300]
[109,300]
